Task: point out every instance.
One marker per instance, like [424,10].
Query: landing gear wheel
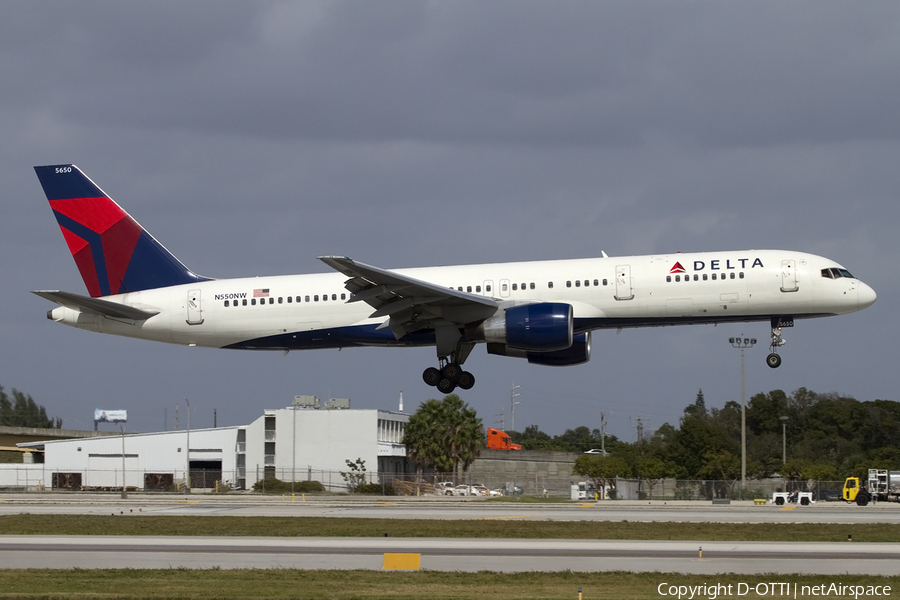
[773,360]
[466,380]
[445,386]
[431,376]
[451,371]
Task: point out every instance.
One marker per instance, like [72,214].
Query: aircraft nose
[867,296]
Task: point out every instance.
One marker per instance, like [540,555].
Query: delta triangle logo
[677,268]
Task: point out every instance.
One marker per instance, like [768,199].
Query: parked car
[443,488]
[599,451]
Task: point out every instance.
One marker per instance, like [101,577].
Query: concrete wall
[533,471]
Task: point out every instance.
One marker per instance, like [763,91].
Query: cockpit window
[835,273]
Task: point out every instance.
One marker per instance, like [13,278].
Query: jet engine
[541,327]
[578,353]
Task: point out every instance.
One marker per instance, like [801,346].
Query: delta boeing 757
[542,311]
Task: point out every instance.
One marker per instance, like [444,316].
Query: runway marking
[189,502]
[387,504]
[788,507]
[402,561]
[586,505]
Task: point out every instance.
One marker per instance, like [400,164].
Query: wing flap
[96,305]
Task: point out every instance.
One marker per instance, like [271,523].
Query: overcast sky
[251,137]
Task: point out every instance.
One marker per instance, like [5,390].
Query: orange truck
[499,440]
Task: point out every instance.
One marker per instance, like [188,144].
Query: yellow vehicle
[882,486]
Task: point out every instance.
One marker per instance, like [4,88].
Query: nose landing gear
[773,359]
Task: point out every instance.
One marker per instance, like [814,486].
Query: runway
[501,555]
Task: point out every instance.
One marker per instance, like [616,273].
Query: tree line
[20,410]
[825,437]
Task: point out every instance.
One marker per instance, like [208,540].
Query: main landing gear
[773,359]
[448,377]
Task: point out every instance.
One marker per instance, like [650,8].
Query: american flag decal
[261,293]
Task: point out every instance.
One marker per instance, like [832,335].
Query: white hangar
[297,443]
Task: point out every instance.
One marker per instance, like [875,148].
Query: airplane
[543,312]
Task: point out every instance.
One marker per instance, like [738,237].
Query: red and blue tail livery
[114,254]
[540,311]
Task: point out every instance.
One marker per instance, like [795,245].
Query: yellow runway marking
[387,504]
[404,561]
[586,505]
[788,507]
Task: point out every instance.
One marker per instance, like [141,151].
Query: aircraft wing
[409,303]
[95,305]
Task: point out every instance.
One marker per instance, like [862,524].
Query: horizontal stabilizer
[96,305]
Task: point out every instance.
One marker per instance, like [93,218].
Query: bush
[375,489]
[277,486]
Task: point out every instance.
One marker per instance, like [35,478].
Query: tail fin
[114,254]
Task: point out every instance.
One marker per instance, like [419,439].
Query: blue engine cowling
[578,353]
[542,327]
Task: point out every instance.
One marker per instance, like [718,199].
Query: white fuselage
[312,311]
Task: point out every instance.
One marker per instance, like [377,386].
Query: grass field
[377,585]
[133,524]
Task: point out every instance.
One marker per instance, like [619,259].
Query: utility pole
[512,406]
[603,433]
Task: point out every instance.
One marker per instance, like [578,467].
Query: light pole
[784,421]
[187,453]
[124,489]
[743,344]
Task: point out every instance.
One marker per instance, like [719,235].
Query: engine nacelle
[543,327]
[578,353]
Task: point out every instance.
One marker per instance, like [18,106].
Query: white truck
[803,498]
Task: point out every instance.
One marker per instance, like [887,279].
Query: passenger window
[271,300]
[290,299]
[478,288]
[244,302]
[280,299]
[587,283]
[334,296]
[343,296]
[515,287]
[577,283]
[487,288]
[253,301]
[531,285]
[469,288]
[705,277]
[605,282]
[713,276]
[523,287]
[226,304]
[503,287]
[596,283]
[678,278]
[306,298]
[732,276]
[741,275]
[324,297]
[696,277]
[668,279]
[316,298]
[459,288]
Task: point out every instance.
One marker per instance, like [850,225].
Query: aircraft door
[789,276]
[194,311]
[623,283]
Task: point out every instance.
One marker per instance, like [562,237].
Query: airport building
[306,441]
